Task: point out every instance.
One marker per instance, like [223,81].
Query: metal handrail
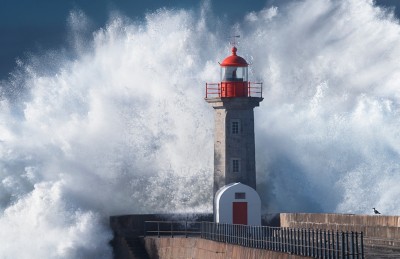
[304,242]
[167,228]
[213,90]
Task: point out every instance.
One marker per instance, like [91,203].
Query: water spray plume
[122,126]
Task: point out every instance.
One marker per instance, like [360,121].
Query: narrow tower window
[235,127]
[235,165]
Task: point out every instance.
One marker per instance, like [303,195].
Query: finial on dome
[234,49]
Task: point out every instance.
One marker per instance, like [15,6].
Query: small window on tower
[235,165]
[235,127]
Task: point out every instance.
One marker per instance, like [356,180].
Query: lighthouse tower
[233,100]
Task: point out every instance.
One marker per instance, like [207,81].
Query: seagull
[375,211]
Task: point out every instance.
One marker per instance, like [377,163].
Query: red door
[239,213]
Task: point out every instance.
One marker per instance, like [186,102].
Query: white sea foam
[120,126]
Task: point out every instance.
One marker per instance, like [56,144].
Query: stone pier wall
[378,230]
[172,248]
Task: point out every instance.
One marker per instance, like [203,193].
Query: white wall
[225,197]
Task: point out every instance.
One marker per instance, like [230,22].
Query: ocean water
[118,123]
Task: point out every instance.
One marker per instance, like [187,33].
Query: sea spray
[120,125]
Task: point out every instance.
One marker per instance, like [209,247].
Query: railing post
[278,239]
[337,245]
[158,229]
[291,249]
[295,241]
[301,237]
[208,230]
[240,234]
[299,250]
[352,245]
[330,251]
[230,233]
[308,242]
[223,233]
[255,236]
[252,236]
[343,247]
[325,250]
[301,246]
[217,234]
[362,244]
[272,238]
[318,243]
[288,240]
[245,235]
[227,233]
[313,243]
[262,235]
[212,231]
[237,234]
[304,242]
[234,237]
[357,251]
[285,240]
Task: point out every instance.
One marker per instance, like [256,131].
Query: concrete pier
[171,248]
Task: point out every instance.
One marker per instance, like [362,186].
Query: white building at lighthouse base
[237,203]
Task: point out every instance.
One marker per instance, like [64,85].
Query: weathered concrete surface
[172,248]
[331,220]
[381,233]
[129,248]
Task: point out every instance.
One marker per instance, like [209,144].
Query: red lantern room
[234,73]
[234,80]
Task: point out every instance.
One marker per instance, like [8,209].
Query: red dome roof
[234,60]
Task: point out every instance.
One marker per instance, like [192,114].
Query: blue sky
[28,26]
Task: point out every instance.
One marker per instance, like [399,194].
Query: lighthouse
[234,99]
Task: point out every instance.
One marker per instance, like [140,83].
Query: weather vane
[233,41]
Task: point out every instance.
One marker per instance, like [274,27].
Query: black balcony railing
[216,90]
[304,242]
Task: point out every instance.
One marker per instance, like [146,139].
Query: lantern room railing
[214,90]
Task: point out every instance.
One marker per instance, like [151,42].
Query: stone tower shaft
[234,143]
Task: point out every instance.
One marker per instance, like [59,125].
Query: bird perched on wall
[375,211]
